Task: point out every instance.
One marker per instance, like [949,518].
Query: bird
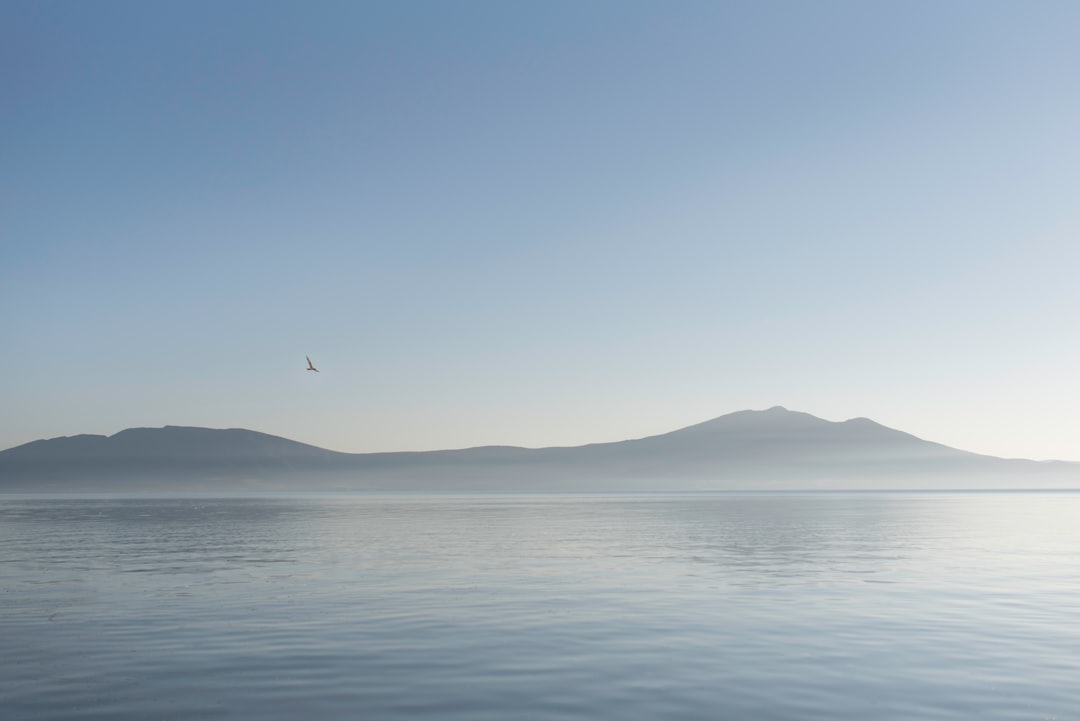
[311,367]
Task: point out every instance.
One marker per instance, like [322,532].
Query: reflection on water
[814,606]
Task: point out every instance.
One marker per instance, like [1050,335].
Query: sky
[537,224]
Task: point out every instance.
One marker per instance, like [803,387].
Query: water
[813,606]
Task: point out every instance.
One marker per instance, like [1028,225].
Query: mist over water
[763,606]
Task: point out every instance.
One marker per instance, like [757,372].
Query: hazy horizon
[539,225]
[752,411]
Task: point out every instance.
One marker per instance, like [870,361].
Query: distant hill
[747,450]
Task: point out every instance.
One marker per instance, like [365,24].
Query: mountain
[747,450]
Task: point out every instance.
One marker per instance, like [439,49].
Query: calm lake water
[814,606]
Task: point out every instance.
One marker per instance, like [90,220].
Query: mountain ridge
[773,448]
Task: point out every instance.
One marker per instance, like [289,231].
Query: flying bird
[311,367]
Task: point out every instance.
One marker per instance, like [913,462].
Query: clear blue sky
[545,223]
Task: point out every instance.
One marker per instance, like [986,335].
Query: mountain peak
[777,416]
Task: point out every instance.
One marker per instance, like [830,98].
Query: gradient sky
[536,224]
